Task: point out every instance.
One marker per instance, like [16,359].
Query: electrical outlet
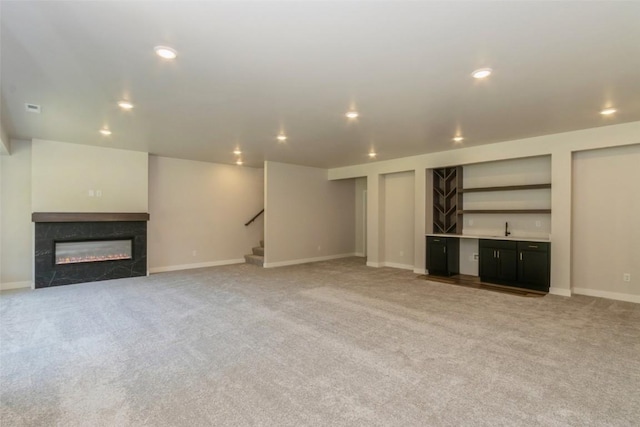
[401,253]
[98,193]
[626,277]
[91,193]
[319,248]
[194,253]
[538,224]
[470,222]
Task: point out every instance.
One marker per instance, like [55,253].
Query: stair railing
[254,218]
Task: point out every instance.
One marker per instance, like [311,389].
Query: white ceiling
[247,70]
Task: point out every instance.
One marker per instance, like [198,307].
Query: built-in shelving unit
[504,188]
[447,200]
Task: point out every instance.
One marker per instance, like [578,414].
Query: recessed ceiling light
[165,52]
[239,163]
[282,137]
[125,105]
[237,152]
[105,132]
[352,114]
[608,111]
[458,138]
[481,73]
[372,154]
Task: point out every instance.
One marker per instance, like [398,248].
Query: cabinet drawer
[497,244]
[533,246]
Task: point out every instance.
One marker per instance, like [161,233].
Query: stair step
[258,250]
[254,259]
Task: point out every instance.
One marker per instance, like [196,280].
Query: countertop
[470,236]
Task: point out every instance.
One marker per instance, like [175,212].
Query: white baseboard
[374,264]
[560,291]
[360,254]
[306,260]
[609,295]
[197,265]
[396,265]
[420,271]
[16,285]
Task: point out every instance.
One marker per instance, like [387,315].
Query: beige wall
[16,241]
[399,220]
[308,217]
[606,229]
[198,211]
[5,143]
[361,219]
[63,174]
[558,146]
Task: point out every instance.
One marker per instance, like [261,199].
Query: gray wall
[308,217]
[198,211]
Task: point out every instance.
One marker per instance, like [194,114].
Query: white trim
[374,264]
[197,265]
[609,295]
[16,285]
[360,254]
[306,260]
[560,291]
[396,265]
[420,271]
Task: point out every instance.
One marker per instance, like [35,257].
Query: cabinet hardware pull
[533,246]
[498,254]
[494,254]
[444,249]
[520,256]
[436,240]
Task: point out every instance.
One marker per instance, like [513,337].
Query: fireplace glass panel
[92,251]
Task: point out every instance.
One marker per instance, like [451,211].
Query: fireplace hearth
[86,247]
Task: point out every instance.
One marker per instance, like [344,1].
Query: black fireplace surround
[52,228]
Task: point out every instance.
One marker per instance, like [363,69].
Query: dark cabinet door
[488,263]
[443,255]
[533,265]
[498,261]
[437,261]
[508,265]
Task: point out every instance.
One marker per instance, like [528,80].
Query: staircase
[257,257]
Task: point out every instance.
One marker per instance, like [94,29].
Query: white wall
[63,174]
[399,220]
[606,229]
[16,241]
[198,211]
[361,215]
[559,146]
[308,217]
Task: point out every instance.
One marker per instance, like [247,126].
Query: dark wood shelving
[505,211]
[88,216]
[505,188]
[447,200]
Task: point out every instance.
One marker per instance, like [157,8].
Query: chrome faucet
[506,229]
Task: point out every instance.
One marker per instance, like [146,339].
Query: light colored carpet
[329,343]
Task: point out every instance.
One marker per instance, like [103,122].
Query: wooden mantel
[88,216]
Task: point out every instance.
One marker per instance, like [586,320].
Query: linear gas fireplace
[87,247]
[93,251]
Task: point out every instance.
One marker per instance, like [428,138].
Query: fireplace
[86,247]
[74,252]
